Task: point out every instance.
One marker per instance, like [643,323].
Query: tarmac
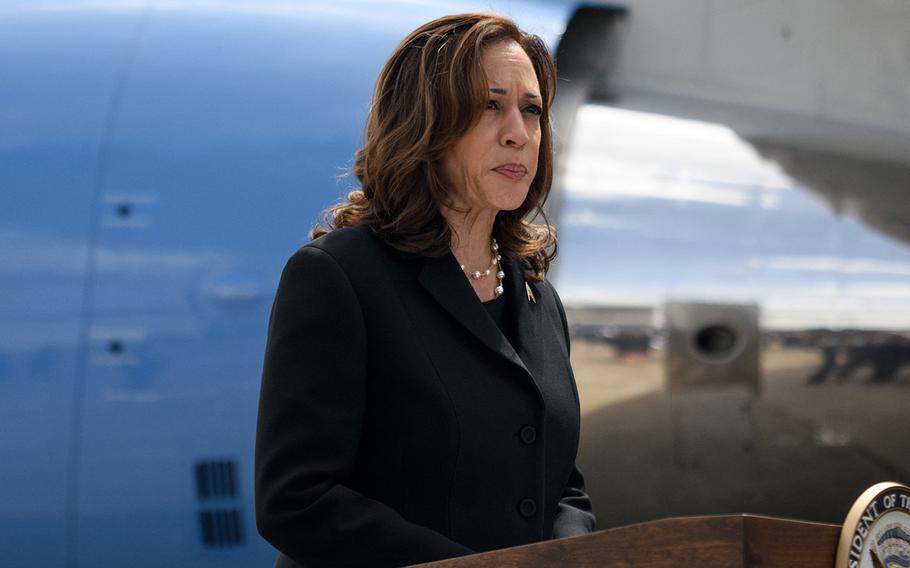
[792,450]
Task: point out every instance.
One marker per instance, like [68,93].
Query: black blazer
[397,425]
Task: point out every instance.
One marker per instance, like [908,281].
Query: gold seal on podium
[876,532]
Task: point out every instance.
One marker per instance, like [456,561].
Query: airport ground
[791,450]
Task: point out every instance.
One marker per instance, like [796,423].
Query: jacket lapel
[445,281]
[525,313]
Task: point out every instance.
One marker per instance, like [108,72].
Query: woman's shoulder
[354,249]
[345,241]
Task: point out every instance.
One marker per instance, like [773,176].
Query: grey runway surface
[793,450]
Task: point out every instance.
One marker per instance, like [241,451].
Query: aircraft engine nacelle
[712,346]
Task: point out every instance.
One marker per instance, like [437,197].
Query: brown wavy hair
[431,91]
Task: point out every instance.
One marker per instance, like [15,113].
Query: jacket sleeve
[310,416]
[574,513]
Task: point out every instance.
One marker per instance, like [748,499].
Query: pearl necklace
[494,263]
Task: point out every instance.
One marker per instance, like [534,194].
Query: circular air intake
[716,343]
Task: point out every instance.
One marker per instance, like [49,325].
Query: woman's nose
[514,131]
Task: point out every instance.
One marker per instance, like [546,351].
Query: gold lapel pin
[531,297]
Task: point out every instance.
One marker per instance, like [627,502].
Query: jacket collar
[443,278]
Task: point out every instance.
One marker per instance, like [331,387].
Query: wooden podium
[728,541]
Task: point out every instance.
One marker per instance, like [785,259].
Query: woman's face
[492,165]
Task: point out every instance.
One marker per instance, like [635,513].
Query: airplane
[160,160]
[734,226]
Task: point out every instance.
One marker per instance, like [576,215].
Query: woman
[417,401]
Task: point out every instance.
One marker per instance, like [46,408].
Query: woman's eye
[534,109]
[493,105]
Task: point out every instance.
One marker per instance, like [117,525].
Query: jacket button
[527,507]
[528,434]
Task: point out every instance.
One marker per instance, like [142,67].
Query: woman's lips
[512,171]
